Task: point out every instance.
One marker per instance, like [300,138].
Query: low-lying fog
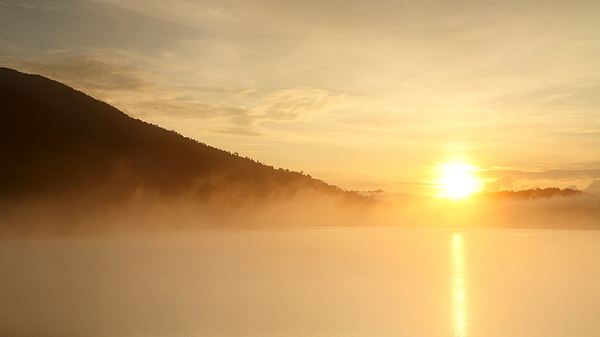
[59,217]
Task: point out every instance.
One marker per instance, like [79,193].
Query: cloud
[37,25]
[27,5]
[177,107]
[559,174]
[581,95]
[507,179]
[291,104]
[581,131]
[238,131]
[120,81]
[286,105]
[86,71]
[594,187]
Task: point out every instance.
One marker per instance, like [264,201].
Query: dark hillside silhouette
[58,141]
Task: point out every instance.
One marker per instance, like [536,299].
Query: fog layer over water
[336,281]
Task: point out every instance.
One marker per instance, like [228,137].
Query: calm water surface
[305,282]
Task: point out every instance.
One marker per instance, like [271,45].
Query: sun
[457,180]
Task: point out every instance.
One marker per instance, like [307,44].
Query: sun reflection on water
[459,290]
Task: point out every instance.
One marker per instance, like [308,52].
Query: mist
[146,212]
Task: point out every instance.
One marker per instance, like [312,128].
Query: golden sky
[363,94]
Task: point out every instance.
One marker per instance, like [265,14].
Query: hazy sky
[364,94]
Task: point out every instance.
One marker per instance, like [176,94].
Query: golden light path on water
[459,290]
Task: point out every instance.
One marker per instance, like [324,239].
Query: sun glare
[457,180]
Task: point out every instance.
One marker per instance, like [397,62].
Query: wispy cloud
[115,78]
[61,24]
[87,71]
[577,131]
[556,174]
[508,178]
[238,131]
[291,104]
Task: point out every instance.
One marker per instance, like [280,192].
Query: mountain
[57,141]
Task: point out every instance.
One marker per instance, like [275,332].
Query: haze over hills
[59,141]
[537,193]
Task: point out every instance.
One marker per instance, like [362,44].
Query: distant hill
[536,193]
[57,141]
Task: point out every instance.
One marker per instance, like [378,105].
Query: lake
[327,281]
